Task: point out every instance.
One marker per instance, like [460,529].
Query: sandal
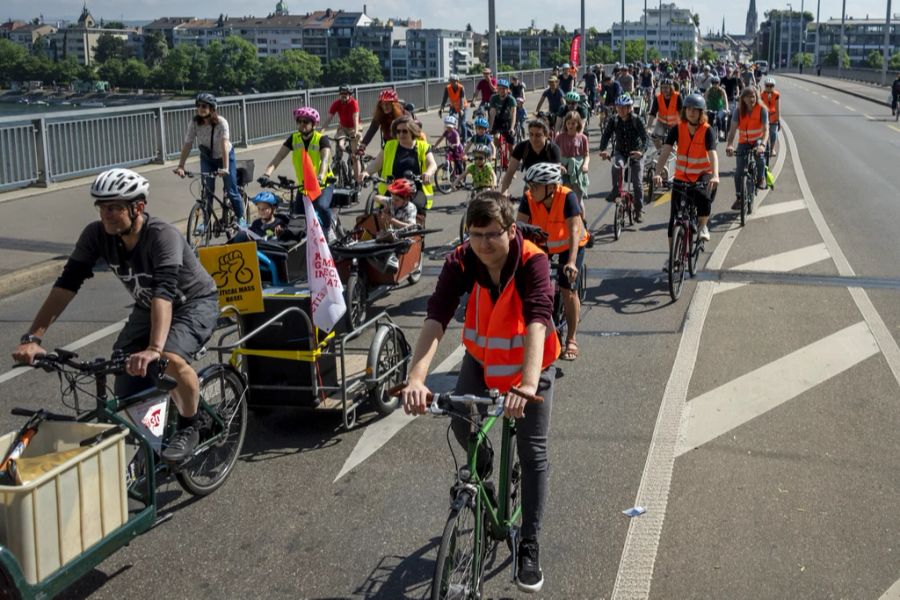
[571,350]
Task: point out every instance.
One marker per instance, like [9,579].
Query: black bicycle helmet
[207,98]
[344,89]
[695,101]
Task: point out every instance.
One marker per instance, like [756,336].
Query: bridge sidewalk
[867,91]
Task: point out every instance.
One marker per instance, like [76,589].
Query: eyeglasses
[488,236]
[404,130]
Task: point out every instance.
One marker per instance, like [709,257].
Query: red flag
[575,51]
[310,178]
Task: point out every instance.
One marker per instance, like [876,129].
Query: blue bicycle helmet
[481,122]
[265,198]
[503,83]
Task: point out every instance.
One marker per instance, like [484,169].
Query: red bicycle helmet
[388,95]
[402,187]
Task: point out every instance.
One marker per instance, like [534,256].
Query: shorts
[702,201]
[561,277]
[455,152]
[192,325]
[504,130]
[348,131]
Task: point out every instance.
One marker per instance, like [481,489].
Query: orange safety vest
[750,127]
[494,332]
[771,101]
[692,159]
[553,220]
[457,97]
[667,114]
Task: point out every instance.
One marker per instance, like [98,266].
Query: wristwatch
[30,338]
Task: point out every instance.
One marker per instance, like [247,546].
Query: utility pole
[671,5]
[622,49]
[887,41]
[841,45]
[818,26]
[780,35]
[583,55]
[790,31]
[645,29]
[802,42]
[659,31]
[492,37]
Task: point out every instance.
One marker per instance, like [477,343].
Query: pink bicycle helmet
[388,95]
[306,112]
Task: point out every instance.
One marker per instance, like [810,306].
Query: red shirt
[485,88]
[345,111]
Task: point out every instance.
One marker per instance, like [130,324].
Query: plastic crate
[48,522]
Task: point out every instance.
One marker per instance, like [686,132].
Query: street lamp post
[887,41]
[790,30]
[659,31]
[645,29]
[583,55]
[818,26]
[780,36]
[622,49]
[802,41]
[840,57]
[492,36]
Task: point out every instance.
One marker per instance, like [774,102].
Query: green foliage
[109,47]
[686,50]
[290,70]
[831,59]
[87,73]
[11,56]
[709,55]
[803,58]
[875,59]
[155,48]
[634,51]
[531,62]
[232,64]
[601,54]
[174,72]
[66,71]
[359,66]
[111,71]
[135,74]
[112,24]
[895,61]
[559,30]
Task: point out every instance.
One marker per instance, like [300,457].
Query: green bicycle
[478,518]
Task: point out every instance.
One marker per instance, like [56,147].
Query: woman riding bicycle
[510,342]
[750,121]
[387,109]
[696,160]
[211,132]
[408,153]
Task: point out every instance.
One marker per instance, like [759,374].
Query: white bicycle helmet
[450,120]
[120,184]
[482,149]
[769,81]
[543,173]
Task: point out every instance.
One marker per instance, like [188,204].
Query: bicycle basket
[244,172]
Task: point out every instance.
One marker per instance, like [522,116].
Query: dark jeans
[636,166]
[211,165]
[742,154]
[531,440]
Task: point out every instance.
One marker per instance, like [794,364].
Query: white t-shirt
[205,136]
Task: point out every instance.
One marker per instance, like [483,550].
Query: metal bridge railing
[48,147]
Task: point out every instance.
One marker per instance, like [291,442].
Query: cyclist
[575,155]
[455,95]
[772,100]
[318,146]
[407,153]
[733,85]
[717,106]
[211,132]
[573,104]
[609,90]
[511,300]
[388,108]
[555,208]
[487,86]
[566,79]
[398,211]
[516,87]
[703,80]
[748,78]
[481,137]
[589,85]
[347,109]
[647,83]
[455,153]
[750,121]
[626,81]
[895,94]
[664,114]
[696,160]
[630,144]
[536,149]
[480,170]
[175,299]
[502,114]
[555,99]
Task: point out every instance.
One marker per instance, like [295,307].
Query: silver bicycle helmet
[120,184]
[695,101]
[482,149]
[543,173]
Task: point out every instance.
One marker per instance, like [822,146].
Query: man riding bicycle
[502,114]
[772,100]
[510,343]
[455,95]
[573,103]
[555,98]
[347,109]
[630,145]
[175,299]
[750,122]
[664,114]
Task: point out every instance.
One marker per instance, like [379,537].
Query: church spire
[751,19]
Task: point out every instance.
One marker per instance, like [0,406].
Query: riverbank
[18,103]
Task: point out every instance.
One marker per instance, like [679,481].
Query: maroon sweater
[462,269]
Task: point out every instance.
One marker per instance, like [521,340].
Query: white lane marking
[869,117]
[892,593]
[778,263]
[380,432]
[635,572]
[886,341]
[850,108]
[731,405]
[77,344]
[778,209]
[835,101]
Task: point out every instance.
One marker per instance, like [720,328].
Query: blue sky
[511,14]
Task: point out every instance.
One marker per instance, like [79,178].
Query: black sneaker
[529,578]
[736,205]
[638,216]
[182,445]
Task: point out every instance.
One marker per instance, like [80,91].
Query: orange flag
[310,178]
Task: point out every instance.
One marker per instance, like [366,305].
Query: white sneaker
[704,234]
[393,263]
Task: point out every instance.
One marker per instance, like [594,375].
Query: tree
[112,24]
[600,54]
[174,72]
[831,59]
[803,58]
[135,74]
[875,59]
[11,55]
[559,30]
[87,73]
[155,48]
[66,71]
[895,61]
[531,62]
[359,66]
[111,71]
[634,52]
[110,46]
[290,70]
[686,50]
[233,64]
[709,55]
[696,19]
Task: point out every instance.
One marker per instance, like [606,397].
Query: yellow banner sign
[235,268]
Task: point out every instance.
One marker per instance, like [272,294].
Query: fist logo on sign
[232,265]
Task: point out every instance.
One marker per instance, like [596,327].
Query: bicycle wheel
[198,231]
[385,353]
[513,476]
[745,194]
[582,283]
[618,220]
[370,200]
[648,179]
[355,298]
[693,250]
[459,568]
[223,393]
[443,178]
[676,266]
[629,210]
[463,230]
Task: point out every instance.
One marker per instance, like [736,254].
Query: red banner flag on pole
[575,51]
[310,178]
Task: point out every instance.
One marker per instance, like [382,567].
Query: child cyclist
[397,212]
[455,153]
[481,137]
[510,304]
[481,170]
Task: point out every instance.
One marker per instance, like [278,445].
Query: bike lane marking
[778,209]
[778,263]
[732,404]
[380,432]
[77,344]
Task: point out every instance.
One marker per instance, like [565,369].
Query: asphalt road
[754,418]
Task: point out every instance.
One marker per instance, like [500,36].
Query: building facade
[438,52]
[861,36]
[79,39]
[670,30]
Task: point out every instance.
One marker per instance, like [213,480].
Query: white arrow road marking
[381,431]
[729,406]
[779,263]
[780,208]
[893,592]
[81,343]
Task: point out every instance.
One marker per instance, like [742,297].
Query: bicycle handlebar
[439,404]
[62,361]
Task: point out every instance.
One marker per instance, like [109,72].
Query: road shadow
[278,432]
[92,582]
[630,295]
[406,577]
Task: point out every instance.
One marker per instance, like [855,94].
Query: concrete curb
[837,89]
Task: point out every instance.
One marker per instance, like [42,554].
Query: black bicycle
[686,244]
[748,181]
[203,222]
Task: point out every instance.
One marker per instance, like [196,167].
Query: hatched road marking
[778,263]
[743,399]
[778,209]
